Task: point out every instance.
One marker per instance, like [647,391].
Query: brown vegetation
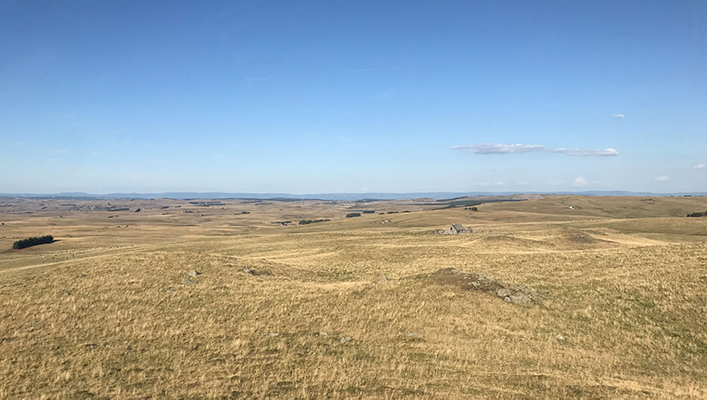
[353,308]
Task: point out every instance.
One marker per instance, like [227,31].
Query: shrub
[474,209]
[351,215]
[698,214]
[33,241]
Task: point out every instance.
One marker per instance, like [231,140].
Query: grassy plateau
[227,300]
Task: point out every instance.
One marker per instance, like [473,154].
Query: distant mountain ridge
[324,196]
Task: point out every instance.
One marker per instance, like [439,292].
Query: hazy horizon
[353,97]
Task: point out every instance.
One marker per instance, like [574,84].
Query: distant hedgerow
[33,241]
[698,214]
[351,215]
[312,221]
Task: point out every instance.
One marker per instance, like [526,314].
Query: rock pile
[479,282]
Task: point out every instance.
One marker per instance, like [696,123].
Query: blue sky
[353,96]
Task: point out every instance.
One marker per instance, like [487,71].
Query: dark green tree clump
[351,215]
[698,214]
[33,241]
[312,221]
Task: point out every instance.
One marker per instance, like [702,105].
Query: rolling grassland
[216,303]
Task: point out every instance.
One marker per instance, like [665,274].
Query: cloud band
[498,148]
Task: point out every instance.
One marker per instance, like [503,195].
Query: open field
[352,307]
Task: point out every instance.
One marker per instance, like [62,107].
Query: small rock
[345,339]
[520,298]
[560,337]
[189,282]
[322,333]
[91,346]
[274,334]
[193,273]
[383,280]
[171,290]
[414,336]
[503,292]
[248,271]
[507,300]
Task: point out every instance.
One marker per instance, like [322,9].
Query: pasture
[189,300]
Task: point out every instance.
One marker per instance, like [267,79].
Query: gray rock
[520,298]
[560,337]
[507,300]
[193,273]
[189,282]
[383,280]
[274,334]
[345,339]
[528,291]
[503,292]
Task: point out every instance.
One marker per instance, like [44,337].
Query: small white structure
[456,229]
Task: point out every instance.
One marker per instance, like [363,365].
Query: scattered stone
[274,334]
[193,273]
[254,272]
[91,346]
[81,275]
[345,339]
[510,293]
[384,280]
[171,290]
[322,333]
[189,282]
[414,336]
[520,298]
[560,337]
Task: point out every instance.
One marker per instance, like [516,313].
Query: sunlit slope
[606,206]
[268,314]
[347,309]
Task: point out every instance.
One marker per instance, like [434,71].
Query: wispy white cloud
[499,183]
[699,166]
[371,69]
[579,181]
[499,148]
[663,178]
[619,116]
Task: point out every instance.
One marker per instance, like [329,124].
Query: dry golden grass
[109,311]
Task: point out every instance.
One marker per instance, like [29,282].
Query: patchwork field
[230,300]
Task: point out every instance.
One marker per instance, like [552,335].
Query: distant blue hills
[323,196]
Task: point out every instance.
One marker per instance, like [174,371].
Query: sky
[353,96]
